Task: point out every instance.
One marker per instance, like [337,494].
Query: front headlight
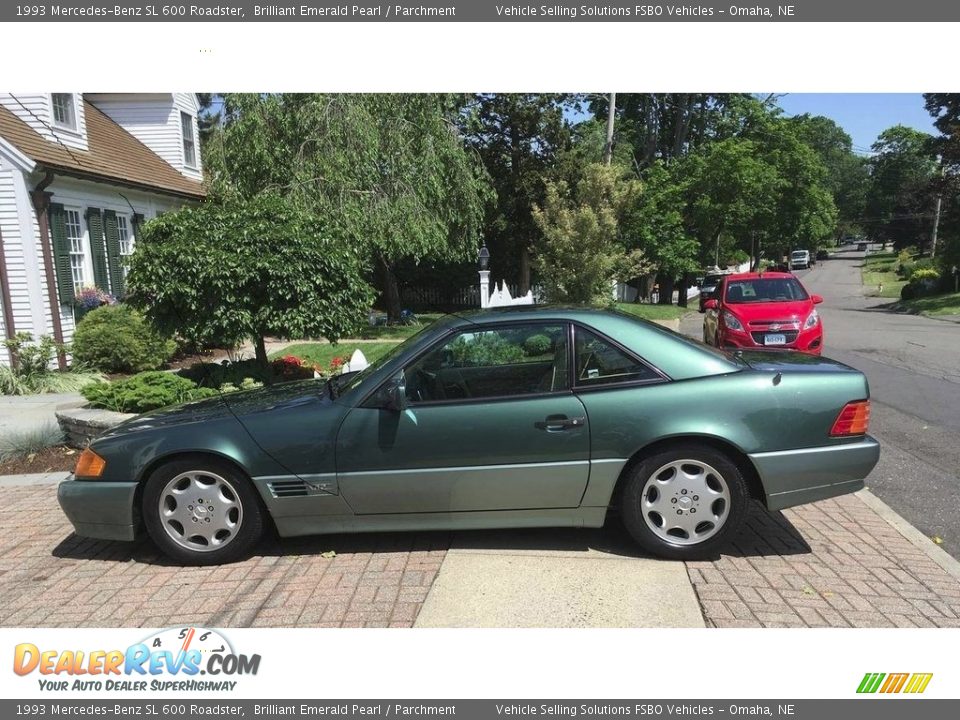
[730,320]
[812,320]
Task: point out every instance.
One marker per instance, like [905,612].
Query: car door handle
[556,423]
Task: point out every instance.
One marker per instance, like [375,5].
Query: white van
[799,259]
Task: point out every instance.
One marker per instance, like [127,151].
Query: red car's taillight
[852,420]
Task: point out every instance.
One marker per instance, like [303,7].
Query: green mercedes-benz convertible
[522,417]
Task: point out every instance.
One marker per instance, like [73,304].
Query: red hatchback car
[763,311]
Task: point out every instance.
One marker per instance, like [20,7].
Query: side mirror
[393,394]
[817,299]
[711,304]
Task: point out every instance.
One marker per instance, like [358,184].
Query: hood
[197,411]
[280,396]
[794,311]
[246,402]
[789,361]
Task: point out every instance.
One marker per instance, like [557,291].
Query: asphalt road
[913,366]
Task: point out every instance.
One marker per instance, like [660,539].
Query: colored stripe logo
[913,683]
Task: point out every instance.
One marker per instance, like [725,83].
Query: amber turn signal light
[89,465]
[852,420]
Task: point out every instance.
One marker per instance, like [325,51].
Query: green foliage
[32,374]
[247,383]
[923,266]
[482,349]
[389,172]
[920,274]
[22,443]
[225,271]
[31,357]
[214,375]
[582,250]
[901,194]
[537,345]
[145,391]
[117,339]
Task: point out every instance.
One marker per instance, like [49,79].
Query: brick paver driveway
[49,577]
[835,563]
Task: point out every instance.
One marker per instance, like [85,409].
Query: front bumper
[808,341]
[794,477]
[102,510]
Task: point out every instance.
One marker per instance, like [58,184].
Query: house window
[64,110]
[78,261]
[126,243]
[189,148]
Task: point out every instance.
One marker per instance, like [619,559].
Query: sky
[863,115]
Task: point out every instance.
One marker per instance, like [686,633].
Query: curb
[940,556]
[49,478]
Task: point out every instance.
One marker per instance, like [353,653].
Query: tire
[229,520]
[664,487]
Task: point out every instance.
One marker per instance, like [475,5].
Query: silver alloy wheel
[685,502]
[200,511]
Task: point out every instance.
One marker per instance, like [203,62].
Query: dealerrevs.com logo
[171,659]
[910,683]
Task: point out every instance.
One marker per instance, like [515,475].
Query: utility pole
[936,215]
[608,148]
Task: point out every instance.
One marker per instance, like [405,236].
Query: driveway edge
[940,556]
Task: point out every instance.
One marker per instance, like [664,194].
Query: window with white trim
[78,258]
[126,242]
[64,110]
[189,145]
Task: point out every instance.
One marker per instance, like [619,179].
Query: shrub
[145,391]
[908,292]
[33,375]
[116,338]
[485,349]
[537,345]
[213,375]
[905,268]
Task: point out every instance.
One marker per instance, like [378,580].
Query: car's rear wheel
[685,502]
[201,511]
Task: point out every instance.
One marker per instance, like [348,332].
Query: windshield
[712,280]
[800,254]
[765,290]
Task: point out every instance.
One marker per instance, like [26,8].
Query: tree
[389,171]
[583,249]
[519,136]
[225,271]
[900,197]
[847,174]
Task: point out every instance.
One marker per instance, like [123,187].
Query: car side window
[507,361]
[599,362]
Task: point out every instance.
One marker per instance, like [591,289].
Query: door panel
[505,454]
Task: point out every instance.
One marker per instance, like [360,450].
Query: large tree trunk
[387,280]
[666,290]
[524,270]
[682,290]
[260,348]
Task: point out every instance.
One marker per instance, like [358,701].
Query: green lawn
[399,332]
[649,311]
[877,270]
[322,353]
[948,304]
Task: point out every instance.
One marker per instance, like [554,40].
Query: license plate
[775,340]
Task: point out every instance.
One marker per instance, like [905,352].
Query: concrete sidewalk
[19,413]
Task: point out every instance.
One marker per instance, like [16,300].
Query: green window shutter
[113,251]
[97,252]
[56,219]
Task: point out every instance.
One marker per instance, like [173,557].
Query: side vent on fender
[288,488]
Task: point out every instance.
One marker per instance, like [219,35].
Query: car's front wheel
[201,511]
[685,502]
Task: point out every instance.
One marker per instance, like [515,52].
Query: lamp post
[483,262]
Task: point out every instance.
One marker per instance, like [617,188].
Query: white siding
[34,109]
[155,121]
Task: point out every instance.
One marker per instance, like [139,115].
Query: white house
[79,173]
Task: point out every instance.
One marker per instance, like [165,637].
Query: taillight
[852,420]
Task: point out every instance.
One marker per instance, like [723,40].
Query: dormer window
[189,145]
[64,110]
